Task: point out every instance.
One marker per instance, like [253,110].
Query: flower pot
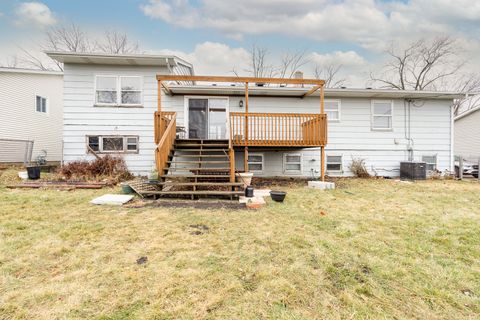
[245,177]
[33,172]
[278,196]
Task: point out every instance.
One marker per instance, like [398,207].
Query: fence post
[478,170]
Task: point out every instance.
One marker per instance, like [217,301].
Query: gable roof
[118,59]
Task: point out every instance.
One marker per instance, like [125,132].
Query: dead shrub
[357,166]
[108,167]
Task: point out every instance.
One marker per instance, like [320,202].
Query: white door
[207,118]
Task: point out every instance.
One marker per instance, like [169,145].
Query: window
[431,162]
[382,112]
[292,163]
[118,91]
[113,144]
[334,163]
[41,104]
[255,162]
[332,109]
[131,90]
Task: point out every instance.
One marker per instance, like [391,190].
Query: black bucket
[249,192]
[33,173]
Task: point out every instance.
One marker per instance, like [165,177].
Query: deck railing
[165,132]
[278,129]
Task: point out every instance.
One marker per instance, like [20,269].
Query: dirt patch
[199,229]
[197,204]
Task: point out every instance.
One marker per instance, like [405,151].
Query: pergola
[316,85]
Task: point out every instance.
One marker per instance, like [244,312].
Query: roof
[239,90]
[117,59]
[30,71]
[468,112]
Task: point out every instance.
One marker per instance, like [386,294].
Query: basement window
[382,115]
[431,162]
[113,144]
[255,162]
[41,104]
[332,109]
[292,163]
[334,164]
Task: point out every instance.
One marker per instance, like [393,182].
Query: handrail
[165,143]
[278,129]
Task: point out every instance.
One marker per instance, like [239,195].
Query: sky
[216,35]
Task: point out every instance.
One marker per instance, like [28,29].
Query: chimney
[298,75]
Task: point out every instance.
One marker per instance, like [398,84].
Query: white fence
[15,151]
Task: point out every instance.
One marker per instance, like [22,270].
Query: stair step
[201,192]
[200,184]
[197,162]
[201,150]
[194,176]
[201,155]
[198,169]
[201,145]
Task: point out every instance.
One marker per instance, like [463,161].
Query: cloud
[213,58]
[344,58]
[368,23]
[34,13]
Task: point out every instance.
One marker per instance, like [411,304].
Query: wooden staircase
[198,168]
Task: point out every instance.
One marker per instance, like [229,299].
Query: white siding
[351,137]
[82,118]
[19,119]
[467,136]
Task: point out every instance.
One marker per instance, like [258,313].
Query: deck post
[322,147]
[245,158]
[159,106]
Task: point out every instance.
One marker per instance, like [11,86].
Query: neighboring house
[31,102]
[110,101]
[467,134]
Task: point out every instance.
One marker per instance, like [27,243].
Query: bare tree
[259,66]
[117,43]
[329,73]
[292,62]
[68,38]
[421,66]
[11,62]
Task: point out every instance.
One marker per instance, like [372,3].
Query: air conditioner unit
[413,170]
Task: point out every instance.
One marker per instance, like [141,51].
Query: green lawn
[371,249]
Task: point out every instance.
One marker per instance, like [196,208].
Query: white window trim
[118,85]
[372,115]
[186,111]
[341,163]
[47,104]
[263,161]
[431,155]
[124,151]
[294,172]
[339,109]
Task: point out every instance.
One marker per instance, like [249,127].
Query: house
[31,122]
[271,127]
[467,134]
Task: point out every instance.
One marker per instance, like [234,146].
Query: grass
[371,249]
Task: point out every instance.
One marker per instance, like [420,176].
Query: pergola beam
[166,88]
[173,77]
[311,91]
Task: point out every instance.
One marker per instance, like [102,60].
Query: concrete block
[321,185]
[112,199]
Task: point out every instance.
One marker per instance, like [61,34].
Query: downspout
[407,127]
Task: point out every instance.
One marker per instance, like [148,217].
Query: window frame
[339,102]
[118,87]
[124,144]
[262,162]
[327,162]
[46,104]
[435,163]
[290,171]
[373,115]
